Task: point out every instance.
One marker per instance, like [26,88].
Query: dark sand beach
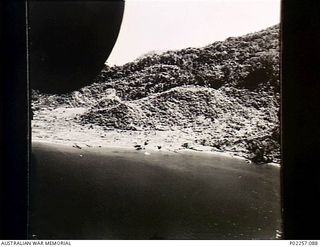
[109,193]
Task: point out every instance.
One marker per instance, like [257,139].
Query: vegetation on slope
[227,92]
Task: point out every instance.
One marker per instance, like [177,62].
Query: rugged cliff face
[225,96]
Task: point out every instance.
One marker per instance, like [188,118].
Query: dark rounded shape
[69,42]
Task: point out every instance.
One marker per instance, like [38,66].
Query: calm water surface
[103,193]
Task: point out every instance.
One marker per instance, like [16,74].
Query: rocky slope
[225,95]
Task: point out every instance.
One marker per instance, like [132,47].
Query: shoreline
[148,150]
[60,125]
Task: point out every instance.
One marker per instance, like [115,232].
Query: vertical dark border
[301,118]
[14,121]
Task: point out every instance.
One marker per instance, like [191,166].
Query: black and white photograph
[155,120]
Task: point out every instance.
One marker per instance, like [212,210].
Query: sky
[160,25]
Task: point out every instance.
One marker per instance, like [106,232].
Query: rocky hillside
[228,93]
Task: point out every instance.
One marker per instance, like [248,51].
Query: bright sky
[159,25]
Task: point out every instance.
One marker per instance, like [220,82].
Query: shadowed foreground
[99,193]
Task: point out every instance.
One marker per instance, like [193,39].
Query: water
[100,193]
